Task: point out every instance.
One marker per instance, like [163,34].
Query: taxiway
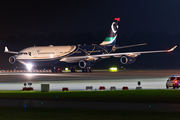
[78,81]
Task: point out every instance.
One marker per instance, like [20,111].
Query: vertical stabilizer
[110,40]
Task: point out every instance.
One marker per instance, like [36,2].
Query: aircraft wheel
[73,70]
[87,70]
[90,70]
[60,71]
[83,70]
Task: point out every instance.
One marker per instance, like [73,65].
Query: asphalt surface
[78,81]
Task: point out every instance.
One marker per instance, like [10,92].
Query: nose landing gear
[73,69]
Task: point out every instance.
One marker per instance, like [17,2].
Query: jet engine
[12,59]
[127,60]
[85,63]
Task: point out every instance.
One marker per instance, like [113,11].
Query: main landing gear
[73,69]
[87,70]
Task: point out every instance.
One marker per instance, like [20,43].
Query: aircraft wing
[135,54]
[130,46]
[132,54]
[7,51]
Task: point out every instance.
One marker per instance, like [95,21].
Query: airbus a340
[83,56]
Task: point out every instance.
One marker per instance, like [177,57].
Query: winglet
[172,48]
[6,49]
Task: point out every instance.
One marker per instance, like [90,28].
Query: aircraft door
[34,53]
[57,51]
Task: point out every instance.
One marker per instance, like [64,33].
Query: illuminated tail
[110,40]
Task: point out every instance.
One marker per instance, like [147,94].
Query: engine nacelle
[127,60]
[85,63]
[12,59]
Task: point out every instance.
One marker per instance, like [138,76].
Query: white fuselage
[44,53]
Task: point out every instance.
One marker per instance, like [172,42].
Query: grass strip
[155,96]
[18,113]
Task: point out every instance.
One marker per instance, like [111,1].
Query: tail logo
[112,27]
[110,40]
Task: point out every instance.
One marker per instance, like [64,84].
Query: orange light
[175,81]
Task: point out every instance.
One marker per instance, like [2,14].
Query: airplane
[83,56]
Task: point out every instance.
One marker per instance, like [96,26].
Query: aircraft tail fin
[110,40]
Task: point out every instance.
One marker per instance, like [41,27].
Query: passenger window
[172,78]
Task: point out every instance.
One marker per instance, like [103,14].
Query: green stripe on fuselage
[107,39]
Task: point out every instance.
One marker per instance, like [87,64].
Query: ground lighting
[113,69]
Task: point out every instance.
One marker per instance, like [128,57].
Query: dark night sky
[155,22]
[78,16]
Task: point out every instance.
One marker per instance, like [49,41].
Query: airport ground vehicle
[112,88]
[102,88]
[173,81]
[65,89]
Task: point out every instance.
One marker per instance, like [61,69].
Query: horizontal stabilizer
[7,51]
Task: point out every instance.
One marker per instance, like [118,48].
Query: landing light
[113,69]
[29,66]
[66,69]
[51,56]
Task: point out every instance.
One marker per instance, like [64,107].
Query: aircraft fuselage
[56,55]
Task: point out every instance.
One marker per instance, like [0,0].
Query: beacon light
[175,81]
